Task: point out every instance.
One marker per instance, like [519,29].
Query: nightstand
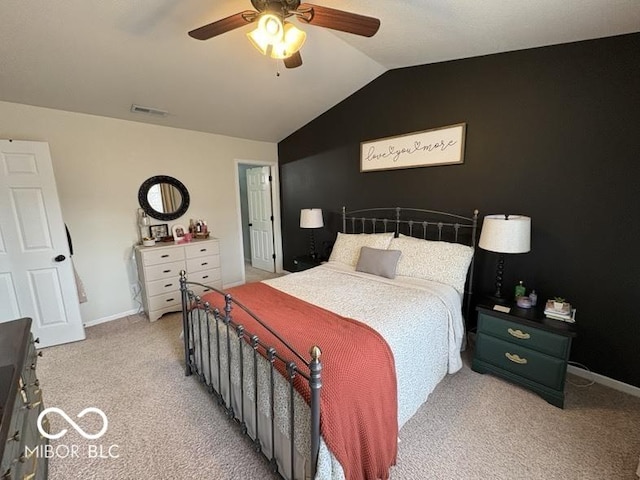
[305,262]
[526,348]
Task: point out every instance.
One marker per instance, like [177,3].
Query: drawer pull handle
[166,255]
[204,263]
[168,285]
[515,358]
[205,276]
[32,405]
[203,249]
[16,436]
[169,299]
[519,334]
[166,271]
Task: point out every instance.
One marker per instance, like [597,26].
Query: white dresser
[159,272]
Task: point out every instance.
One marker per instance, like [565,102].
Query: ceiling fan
[277,37]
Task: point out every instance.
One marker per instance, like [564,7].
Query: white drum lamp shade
[311,218]
[506,234]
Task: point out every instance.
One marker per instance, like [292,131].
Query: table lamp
[505,234]
[311,218]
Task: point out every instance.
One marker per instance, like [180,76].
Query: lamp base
[497,300]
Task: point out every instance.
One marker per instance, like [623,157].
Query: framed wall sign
[438,146]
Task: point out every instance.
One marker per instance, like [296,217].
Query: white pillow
[441,262]
[347,247]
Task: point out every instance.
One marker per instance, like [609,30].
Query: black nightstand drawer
[540,340]
[524,362]
[305,262]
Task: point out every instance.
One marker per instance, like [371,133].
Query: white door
[260,218]
[36,274]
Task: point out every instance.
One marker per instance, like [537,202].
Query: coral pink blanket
[358,399]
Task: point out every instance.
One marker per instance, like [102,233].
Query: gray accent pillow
[378,262]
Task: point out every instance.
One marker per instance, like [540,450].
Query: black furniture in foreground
[20,404]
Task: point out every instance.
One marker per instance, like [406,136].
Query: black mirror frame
[149,210]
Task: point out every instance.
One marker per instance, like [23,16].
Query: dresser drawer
[165,300]
[202,249]
[155,256]
[529,337]
[202,263]
[163,272]
[158,287]
[207,277]
[13,445]
[533,365]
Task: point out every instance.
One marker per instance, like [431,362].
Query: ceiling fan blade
[338,20]
[293,61]
[222,26]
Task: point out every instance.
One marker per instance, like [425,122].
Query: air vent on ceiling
[149,110]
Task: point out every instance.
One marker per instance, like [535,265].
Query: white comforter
[420,320]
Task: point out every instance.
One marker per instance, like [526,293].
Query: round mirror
[163,197]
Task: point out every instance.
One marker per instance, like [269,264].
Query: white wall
[99,164]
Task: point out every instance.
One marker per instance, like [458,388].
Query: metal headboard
[418,223]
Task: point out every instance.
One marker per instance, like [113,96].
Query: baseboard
[98,321]
[606,381]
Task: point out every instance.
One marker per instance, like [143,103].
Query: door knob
[60,258]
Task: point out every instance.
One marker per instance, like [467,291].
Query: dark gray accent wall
[553,133]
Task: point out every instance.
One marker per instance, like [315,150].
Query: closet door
[36,274]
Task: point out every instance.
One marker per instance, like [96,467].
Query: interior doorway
[257,186]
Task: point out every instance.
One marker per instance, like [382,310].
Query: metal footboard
[209,332]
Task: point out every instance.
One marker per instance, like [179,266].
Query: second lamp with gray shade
[505,234]
[311,218]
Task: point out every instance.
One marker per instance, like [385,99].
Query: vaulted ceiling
[99,57]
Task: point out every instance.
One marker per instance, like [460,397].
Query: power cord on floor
[584,367]
[138,299]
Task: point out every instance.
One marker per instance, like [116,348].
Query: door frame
[275,205]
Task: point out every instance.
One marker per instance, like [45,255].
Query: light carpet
[163,425]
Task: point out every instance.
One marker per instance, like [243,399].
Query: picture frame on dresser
[159,231]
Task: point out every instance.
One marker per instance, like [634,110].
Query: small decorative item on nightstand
[558,309]
[523,302]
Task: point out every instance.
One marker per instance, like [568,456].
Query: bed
[321,368]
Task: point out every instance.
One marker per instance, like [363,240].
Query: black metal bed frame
[415,219]
[194,311]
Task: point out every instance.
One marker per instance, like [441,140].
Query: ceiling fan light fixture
[293,40]
[276,38]
[269,31]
